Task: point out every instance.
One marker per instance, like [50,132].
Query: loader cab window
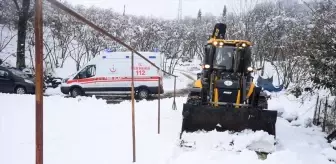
[87,72]
[224,57]
[242,60]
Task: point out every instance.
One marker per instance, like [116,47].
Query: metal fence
[325,114]
[38,20]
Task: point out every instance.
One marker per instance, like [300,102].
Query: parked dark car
[13,80]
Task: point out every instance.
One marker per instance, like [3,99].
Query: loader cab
[226,64]
[230,56]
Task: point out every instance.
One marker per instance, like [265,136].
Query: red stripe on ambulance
[112,79]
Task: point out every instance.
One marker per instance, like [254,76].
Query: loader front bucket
[222,118]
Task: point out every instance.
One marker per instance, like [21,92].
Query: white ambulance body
[110,73]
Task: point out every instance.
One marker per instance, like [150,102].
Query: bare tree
[78,54]
[23,14]
[6,36]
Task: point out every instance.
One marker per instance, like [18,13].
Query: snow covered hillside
[87,130]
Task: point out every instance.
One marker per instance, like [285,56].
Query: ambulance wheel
[76,92]
[143,93]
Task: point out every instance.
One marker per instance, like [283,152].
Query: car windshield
[19,73]
[224,57]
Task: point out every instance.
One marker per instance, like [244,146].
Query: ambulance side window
[91,71]
[87,72]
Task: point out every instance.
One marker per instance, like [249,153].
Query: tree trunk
[263,67]
[22,30]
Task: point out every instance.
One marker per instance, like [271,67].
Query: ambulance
[110,73]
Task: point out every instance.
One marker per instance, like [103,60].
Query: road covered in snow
[86,130]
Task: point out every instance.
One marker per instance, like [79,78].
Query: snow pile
[295,110]
[225,141]
[54,91]
[193,67]
[330,153]
[182,82]
[333,144]
[85,130]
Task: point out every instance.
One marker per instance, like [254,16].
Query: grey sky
[167,8]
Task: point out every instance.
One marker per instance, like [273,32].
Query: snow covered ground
[86,130]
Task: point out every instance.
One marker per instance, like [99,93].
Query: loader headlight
[215,43]
[250,69]
[244,45]
[207,66]
[221,43]
[228,83]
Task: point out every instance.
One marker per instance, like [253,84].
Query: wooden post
[315,113]
[174,101]
[319,114]
[133,114]
[325,115]
[39,82]
[174,88]
[159,97]
[334,110]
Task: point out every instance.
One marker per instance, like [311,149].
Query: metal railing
[325,114]
[39,73]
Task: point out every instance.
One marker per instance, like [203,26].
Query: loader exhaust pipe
[219,31]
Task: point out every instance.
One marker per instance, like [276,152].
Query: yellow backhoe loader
[225,97]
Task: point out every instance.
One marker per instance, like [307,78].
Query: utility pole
[39,82]
[124,10]
[179,15]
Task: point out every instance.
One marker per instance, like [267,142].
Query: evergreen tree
[199,15]
[224,13]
